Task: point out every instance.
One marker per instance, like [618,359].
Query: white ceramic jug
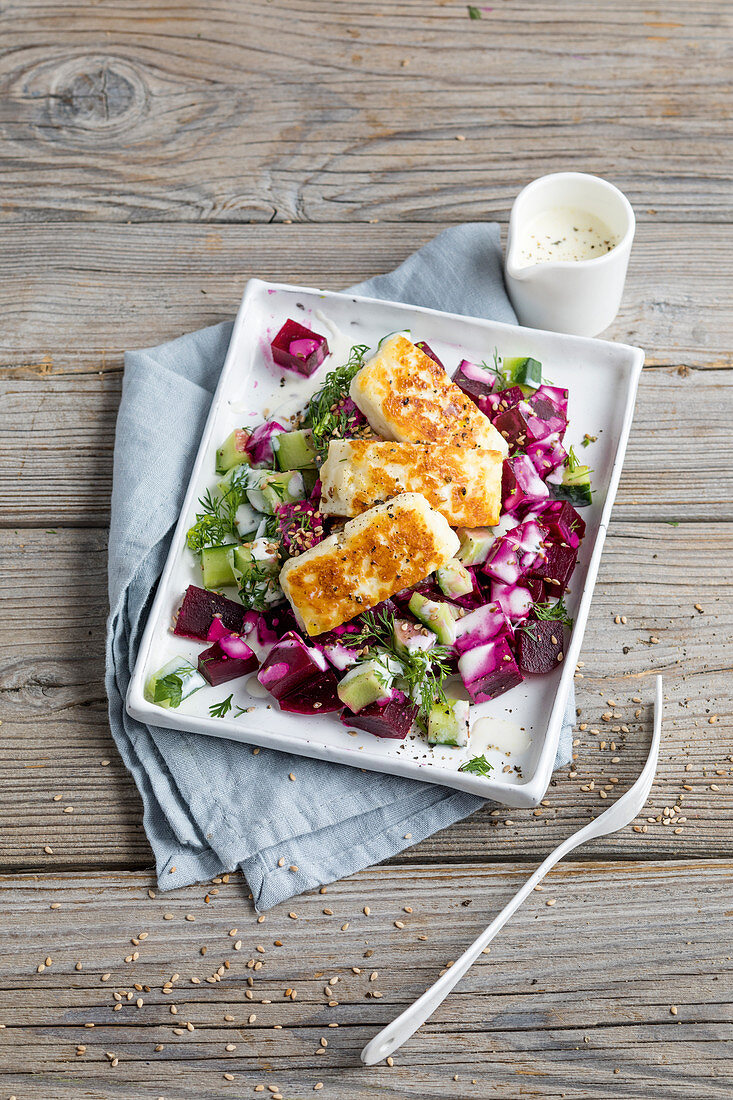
[580,297]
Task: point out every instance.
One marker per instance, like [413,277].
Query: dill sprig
[477,765]
[423,671]
[215,523]
[556,611]
[572,462]
[220,710]
[323,414]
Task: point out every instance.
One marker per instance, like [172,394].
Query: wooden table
[153,159]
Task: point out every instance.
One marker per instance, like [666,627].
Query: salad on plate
[393,553]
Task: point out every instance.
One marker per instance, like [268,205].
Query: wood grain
[81,294]
[339,111]
[605,1022]
[55,730]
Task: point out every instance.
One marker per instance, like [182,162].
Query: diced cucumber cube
[233,451]
[294,450]
[216,566]
[522,372]
[575,487]
[256,567]
[438,617]
[448,723]
[173,683]
[475,544]
[454,579]
[364,684]
[276,488]
[237,481]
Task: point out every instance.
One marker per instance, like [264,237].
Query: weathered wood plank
[55,731]
[602,1027]
[339,111]
[56,464]
[82,293]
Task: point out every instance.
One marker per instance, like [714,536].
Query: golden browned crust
[391,547]
[407,396]
[464,485]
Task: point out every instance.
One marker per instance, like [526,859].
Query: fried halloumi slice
[408,397]
[382,551]
[463,484]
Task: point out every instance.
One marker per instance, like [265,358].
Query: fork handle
[399,1031]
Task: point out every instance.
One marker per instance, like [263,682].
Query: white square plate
[602,378]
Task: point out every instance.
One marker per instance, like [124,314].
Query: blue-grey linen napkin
[211,805]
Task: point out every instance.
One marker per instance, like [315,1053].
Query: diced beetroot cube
[298,348]
[547,455]
[495,403]
[275,624]
[539,645]
[198,610]
[333,644]
[557,568]
[558,396]
[317,696]
[520,483]
[536,588]
[503,562]
[520,426]
[480,626]
[391,719]
[489,670]
[563,523]
[259,444]
[226,659]
[429,352]
[300,526]
[515,553]
[217,630]
[475,381]
[513,599]
[298,675]
[548,413]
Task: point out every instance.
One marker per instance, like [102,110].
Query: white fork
[618,815]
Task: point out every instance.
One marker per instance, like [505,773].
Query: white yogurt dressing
[497,733]
[564,233]
[255,688]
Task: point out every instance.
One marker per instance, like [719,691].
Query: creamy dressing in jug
[564,233]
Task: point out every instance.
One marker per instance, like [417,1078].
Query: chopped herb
[215,523]
[172,686]
[423,671]
[473,13]
[258,583]
[672,522]
[573,462]
[557,611]
[218,710]
[323,414]
[477,765]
